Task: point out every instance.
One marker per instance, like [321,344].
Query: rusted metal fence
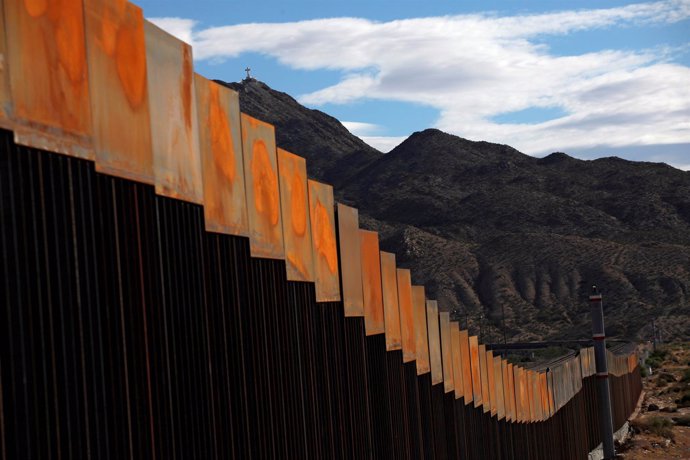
[173,286]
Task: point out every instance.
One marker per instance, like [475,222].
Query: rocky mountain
[333,154]
[495,233]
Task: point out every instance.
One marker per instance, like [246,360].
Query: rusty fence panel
[294,205]
[371,282]
[350,257]
[324,247]
[173,116]
[406,312]
[220,147]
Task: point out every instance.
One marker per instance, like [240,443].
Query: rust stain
[298,204]
[466,366]
[350,260]
[174,125]
[131,59]
[391,313]
[48,75]
[292,171]
[491,382]
[117,77]
[476,371]
[221,136]
[457,359]
[321,214]
[420,329]
[435,359]
[225,208]
[186,84]
[446,351]
[371,282]
[407,331]
[483,369]
[36,8]
[498,388]
[265,184]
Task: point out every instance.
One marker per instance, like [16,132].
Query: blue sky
[588,78]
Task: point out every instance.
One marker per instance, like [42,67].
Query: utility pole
[603,392]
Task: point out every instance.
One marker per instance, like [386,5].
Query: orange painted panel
[476,371]
[435,356]
[519,394]
[511,391]
[174,123]
[371,282]
[483,369]
[407,333]
[321,206]
[119,89]
[420,332]
[391,313]
[446,351]
[294,205]
[466,366]
[544,390]
[48,75]
[552,404]
[261,188]
[498,387]
[457,359]
[350,260]
[220,145]
[5,97]
[491,379]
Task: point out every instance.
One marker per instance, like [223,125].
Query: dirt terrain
[662,428]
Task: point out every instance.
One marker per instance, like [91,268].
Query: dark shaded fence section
[128,331]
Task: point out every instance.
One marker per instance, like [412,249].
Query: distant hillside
[488,229]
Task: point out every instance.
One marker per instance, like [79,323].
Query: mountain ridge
[488,229]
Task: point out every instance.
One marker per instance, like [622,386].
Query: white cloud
[383,143]
[474,67]
[360,129]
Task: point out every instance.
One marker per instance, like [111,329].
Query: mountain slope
[490,230]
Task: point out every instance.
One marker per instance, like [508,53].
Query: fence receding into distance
[175,287]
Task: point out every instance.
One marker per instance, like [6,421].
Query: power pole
[603,392]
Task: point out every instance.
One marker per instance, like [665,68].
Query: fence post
[602,376]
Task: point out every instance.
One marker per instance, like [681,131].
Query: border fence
[174,286]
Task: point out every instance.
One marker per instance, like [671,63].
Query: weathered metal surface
[371,282]
[220,146]
[498,382]
[466,366]
[420,330]
[446,351]
[506,389]
[491,379]
[457,359]
[407,326]
[350,260]
[511,391]
[476,371]
[119,89]
[519,394]
[5,96]
[391,313]
[294,205]
[484,373]
[262,189]
[48,75]
[174,122]
[321,208]
[435,356]
[544,387]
